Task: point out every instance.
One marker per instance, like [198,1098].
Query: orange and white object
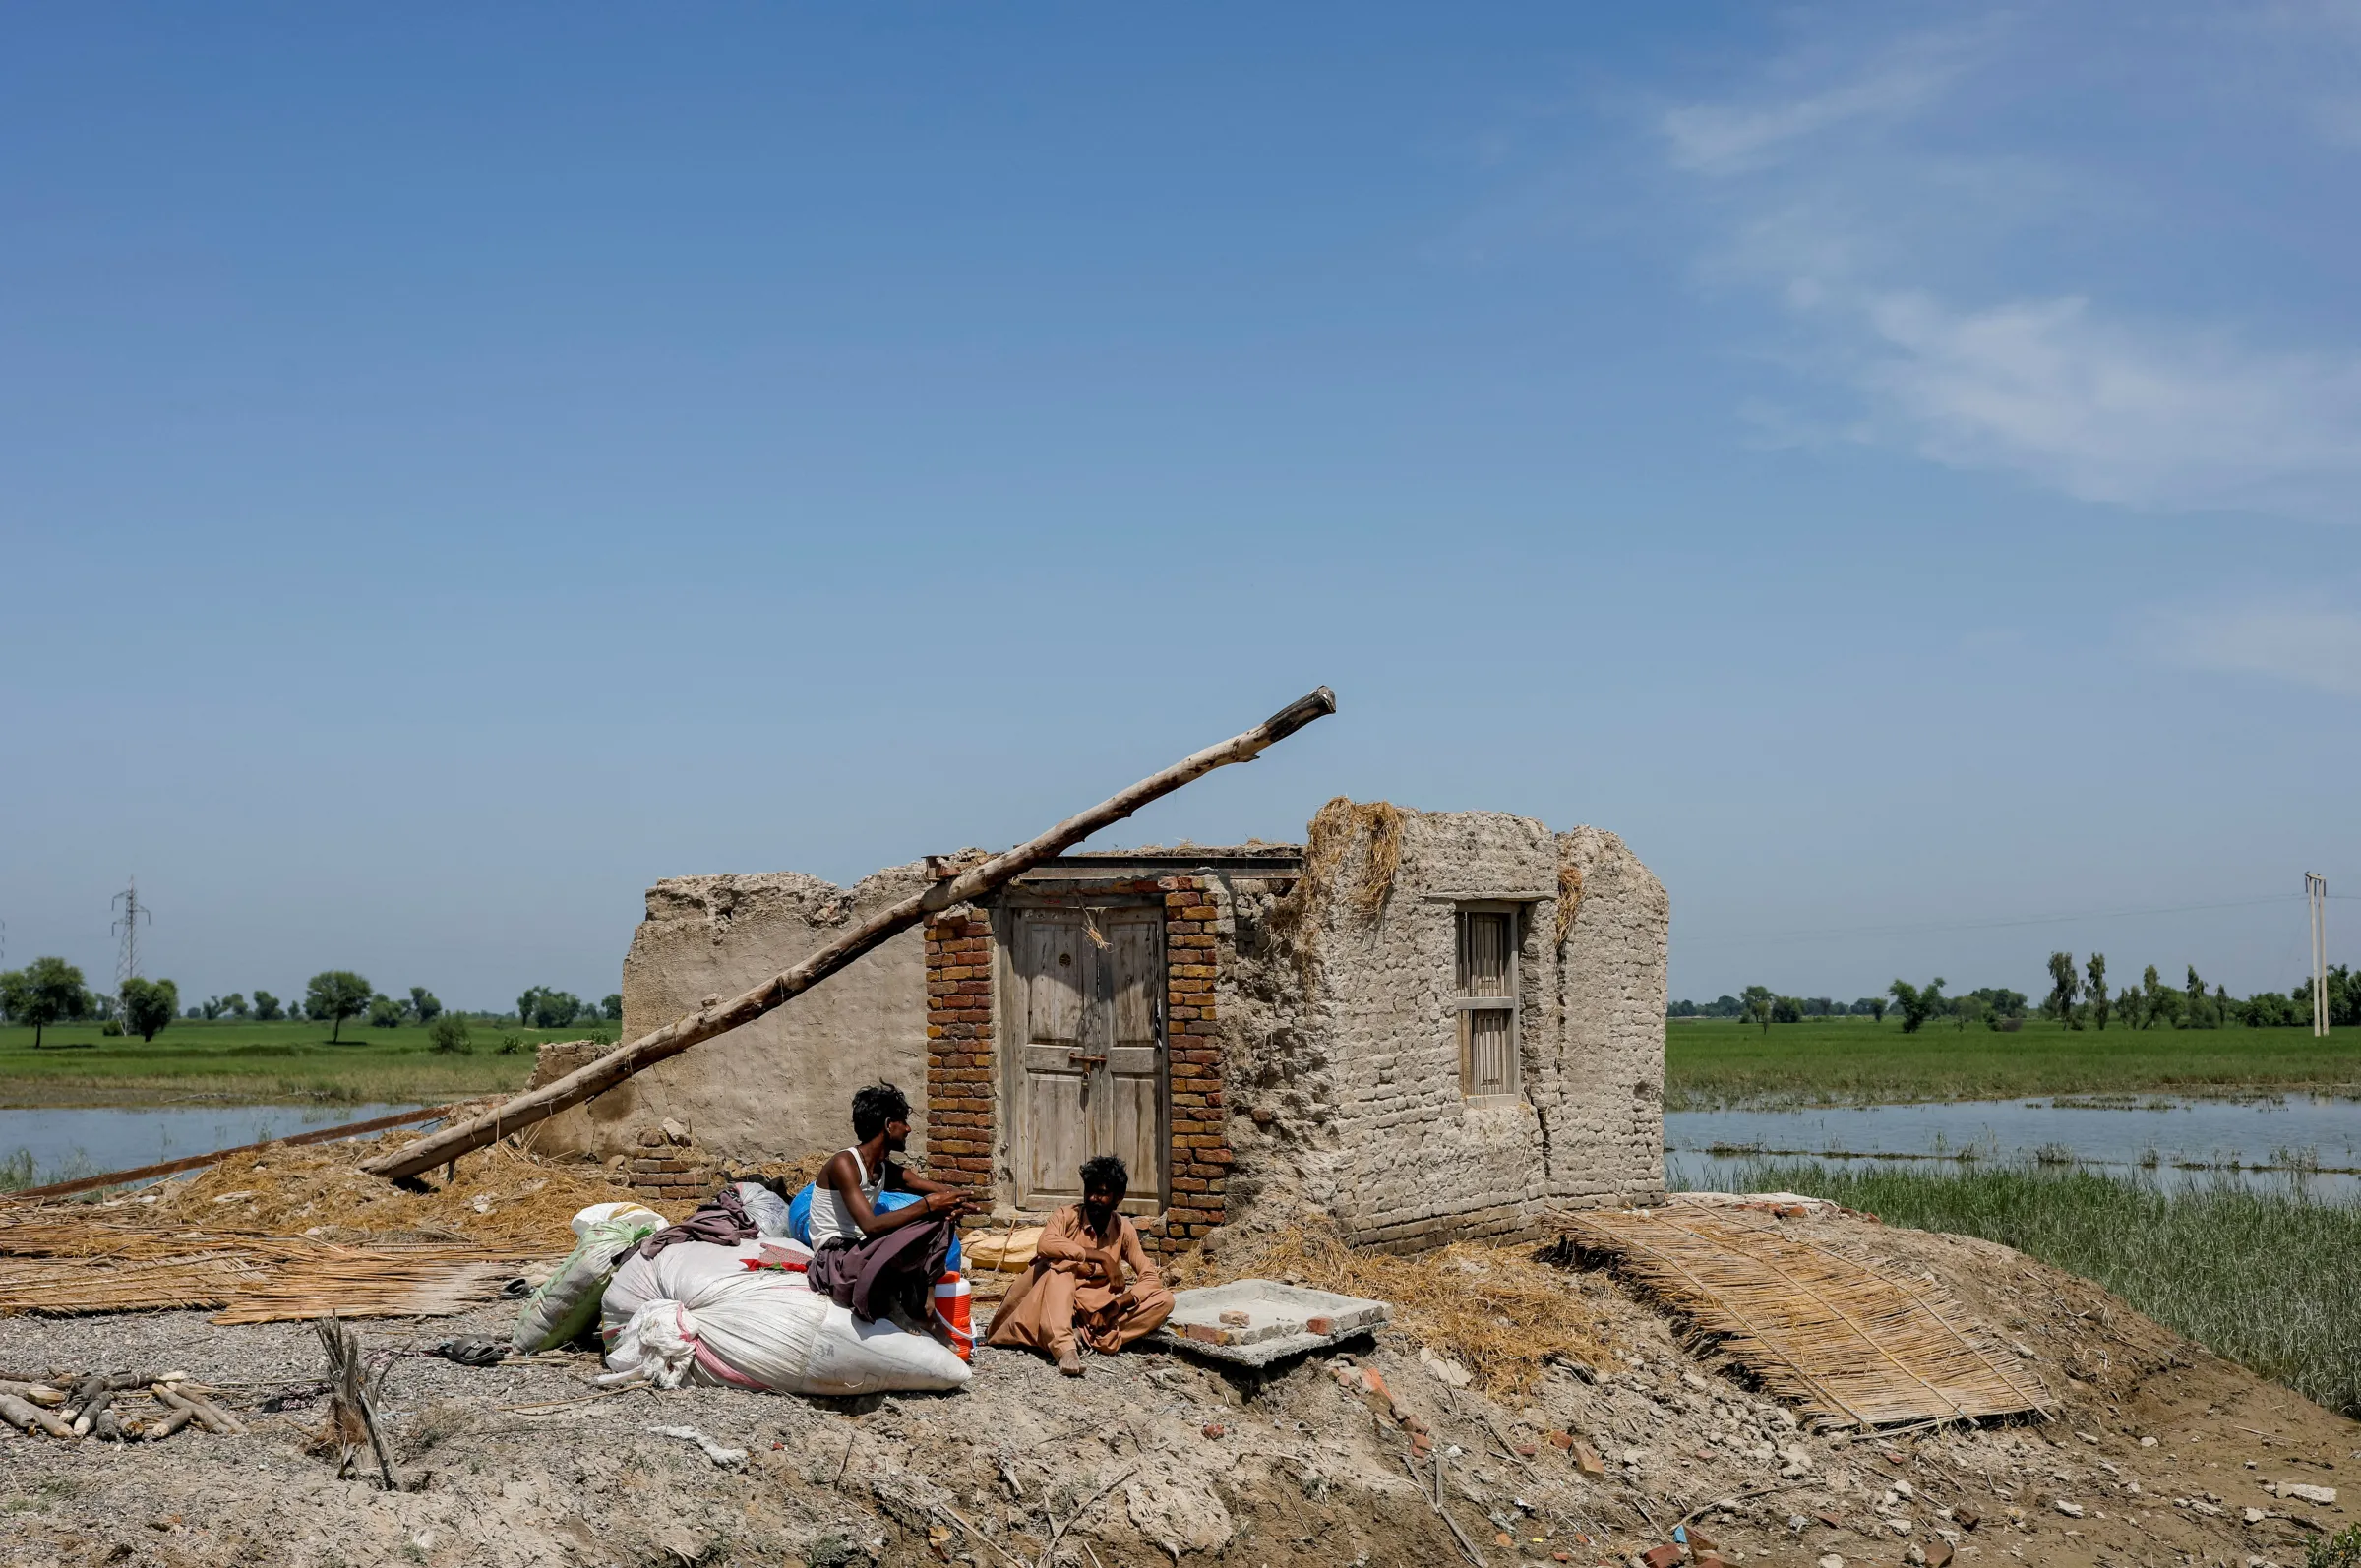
[955,1309]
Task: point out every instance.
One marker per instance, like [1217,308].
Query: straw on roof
[1847,1344]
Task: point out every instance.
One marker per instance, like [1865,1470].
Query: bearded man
[1077,1289]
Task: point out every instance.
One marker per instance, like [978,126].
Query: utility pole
[2316,893]
[127,957]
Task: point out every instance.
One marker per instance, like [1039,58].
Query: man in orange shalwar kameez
[1075,1288]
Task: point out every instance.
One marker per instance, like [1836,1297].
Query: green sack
[567,1303]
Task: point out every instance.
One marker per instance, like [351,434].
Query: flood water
[2311,1140]
[67,1142]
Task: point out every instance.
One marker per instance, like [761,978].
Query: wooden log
[113,1179]
[209,1415]
[86,1397]
[32,1392]
[29,1418]
[538,1105]
[105,1428]
[157,1431]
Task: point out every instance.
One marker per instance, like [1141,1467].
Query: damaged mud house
[1430,1026]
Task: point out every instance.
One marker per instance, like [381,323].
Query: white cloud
[2306,643]
[1731,139]
[2159,419]
[1835,200]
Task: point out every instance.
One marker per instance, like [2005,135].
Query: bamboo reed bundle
[1847,1344]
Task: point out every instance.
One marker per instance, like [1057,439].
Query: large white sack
[685,1269]
[766,1330]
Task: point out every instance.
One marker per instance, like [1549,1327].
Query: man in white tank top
[859,1253]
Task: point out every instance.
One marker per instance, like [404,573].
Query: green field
[2266,1279]
[1716,1062]
[258,1061]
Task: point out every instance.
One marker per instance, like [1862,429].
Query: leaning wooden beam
[537,1104]
[115,1179]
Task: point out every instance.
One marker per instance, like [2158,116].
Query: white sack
[682,1272]
[742,1327]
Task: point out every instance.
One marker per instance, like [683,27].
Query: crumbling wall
[782,1087]
[1350,1039]
[1602,1099]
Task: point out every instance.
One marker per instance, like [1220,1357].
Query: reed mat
[1845,1343]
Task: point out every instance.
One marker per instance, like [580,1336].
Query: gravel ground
[1154,1457]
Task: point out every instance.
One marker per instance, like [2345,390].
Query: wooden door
[1088,987]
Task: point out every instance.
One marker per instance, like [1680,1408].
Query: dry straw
[1569,898]
[1493,1309]
[295,1231]
[1845,1343]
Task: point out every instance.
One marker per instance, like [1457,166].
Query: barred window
[1486,1001]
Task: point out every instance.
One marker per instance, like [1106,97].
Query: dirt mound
[1153,1458]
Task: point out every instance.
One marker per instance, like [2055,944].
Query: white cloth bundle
[694,1314]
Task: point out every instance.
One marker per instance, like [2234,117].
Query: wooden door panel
[1135,1064]
[1052,959]
[1051,1133]
[1090,1063]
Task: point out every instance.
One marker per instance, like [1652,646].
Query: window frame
[1512,1002]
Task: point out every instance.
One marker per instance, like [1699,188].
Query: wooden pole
[112,1179]
[537,1104]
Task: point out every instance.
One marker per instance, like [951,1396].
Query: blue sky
[1896,466]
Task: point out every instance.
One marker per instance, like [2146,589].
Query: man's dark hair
[1106,1171]
[876,1105]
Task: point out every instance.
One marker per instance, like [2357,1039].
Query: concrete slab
[1255,1322]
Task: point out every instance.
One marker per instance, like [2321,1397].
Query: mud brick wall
[963,1067]
[1412,1161]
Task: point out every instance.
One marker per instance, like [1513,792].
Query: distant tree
[267,1009]
[423,1005]
[2344,998]
[2096,989]
[210,1009]
[2199,1002]
[1787,1011]
[2267,1009]
[448,1035]
[1917,1005]
[45,991]
[336,994]
[2161,1003]
[196,1012]
[148,1006]
[526,1003]
[2132,1001]
[2063,987]
[2222,1005]
[613,1007]
[555,1009]
[385,1012]
[1874,1006]
[1759,1003]
[102,1006]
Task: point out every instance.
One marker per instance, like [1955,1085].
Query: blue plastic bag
[799,1218]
